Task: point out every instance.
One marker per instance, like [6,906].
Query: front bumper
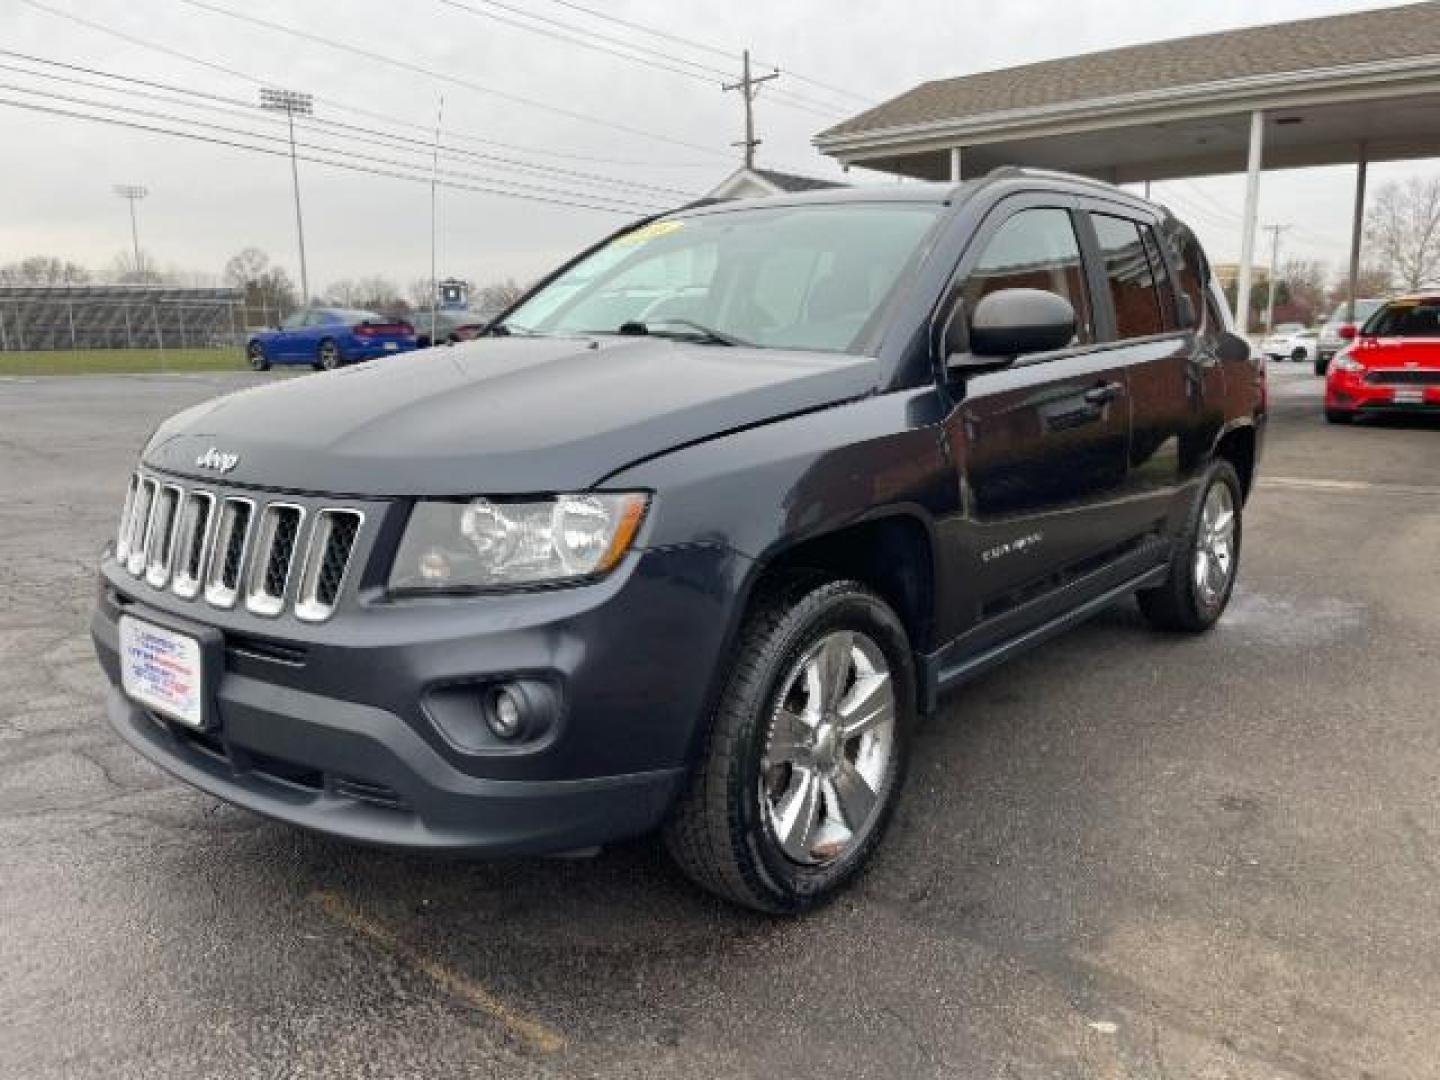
[1349,392]
[333,728]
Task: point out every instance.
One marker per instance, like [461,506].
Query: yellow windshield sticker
[646,233]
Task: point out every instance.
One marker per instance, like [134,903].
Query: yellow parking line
[532,1032]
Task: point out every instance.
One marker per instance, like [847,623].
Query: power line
[455,80]
[706,47]
[471,183]
[248,77]
[588,39]
[218,103]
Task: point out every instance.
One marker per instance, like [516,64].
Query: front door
[1040,446]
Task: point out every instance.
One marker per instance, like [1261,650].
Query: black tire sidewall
[786,885]
[338,360]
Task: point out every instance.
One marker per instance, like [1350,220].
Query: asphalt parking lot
[1123,856]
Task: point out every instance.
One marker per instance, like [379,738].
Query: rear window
[1405,318]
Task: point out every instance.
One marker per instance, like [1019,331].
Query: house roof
[790,182]
[1386,34]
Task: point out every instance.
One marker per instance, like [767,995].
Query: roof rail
[1001,172]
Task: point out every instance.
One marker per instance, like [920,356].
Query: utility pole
[133,193]
[434,180]
[1275,231]
[291,102]
[749,88]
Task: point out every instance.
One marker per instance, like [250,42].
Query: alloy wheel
[829,748]
[1215,545]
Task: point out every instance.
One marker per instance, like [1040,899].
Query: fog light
[506,715]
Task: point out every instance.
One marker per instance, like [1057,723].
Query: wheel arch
[1239,445]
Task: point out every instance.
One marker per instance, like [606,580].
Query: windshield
[1363,310]
[1405,318]
[791,277]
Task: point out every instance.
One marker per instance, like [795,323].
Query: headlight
[1346,362]
[487,544]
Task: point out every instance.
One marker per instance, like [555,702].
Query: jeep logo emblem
[216,459]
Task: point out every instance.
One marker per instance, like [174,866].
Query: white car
[1330,340]
[1291,341]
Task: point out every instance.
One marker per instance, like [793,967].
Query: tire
[727,831]
[1185,603]
[328,357]
[1299,356]
[255,354]
[1322,364]
[1339,416]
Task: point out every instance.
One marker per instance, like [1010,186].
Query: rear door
[287,342]
[1176,382]
[1041,446]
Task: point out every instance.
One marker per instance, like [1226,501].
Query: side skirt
[941,671]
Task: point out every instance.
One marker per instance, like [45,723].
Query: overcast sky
[208,201]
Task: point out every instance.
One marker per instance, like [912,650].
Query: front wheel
[1299,356]
[806,753]
[329,358]
[255,353]
[1206,558]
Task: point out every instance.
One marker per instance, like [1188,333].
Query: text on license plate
[163,670]
[1409,397]
[391,345]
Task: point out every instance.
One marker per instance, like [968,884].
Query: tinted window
[1161,274]
[1034,249]
[294,320]
[1406,318]
[1133,289]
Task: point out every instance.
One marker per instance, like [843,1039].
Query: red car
[1392,365]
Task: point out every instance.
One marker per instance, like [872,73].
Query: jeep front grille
[223,547]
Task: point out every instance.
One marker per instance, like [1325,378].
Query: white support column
[1252,210]
[955,164]
[1357,228]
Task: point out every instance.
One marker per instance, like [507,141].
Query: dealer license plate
[1409,397]
[162,670]
[391,346]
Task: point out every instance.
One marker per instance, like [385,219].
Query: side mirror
[1013,322]
[1348,331]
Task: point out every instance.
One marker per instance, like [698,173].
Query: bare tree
[43,270]
[342,293]
[1304,286]
[421,292]
[124,269]
[245,266]
[1402,230]
[498,295]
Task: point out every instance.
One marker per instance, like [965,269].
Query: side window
[293,321]
[317,318]
[1133,289]
[1161,274]
[1191,279]
[1034,249]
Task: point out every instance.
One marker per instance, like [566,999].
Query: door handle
[1105,392]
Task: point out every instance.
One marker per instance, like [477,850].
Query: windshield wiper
[706,333]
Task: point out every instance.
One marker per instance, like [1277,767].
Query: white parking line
[1296,483]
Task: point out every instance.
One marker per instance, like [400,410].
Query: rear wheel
[1322,364]
[1298,355]
[255,353]
[806,753]
[1206,558]
[328,357]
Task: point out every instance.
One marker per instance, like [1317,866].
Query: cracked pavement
[1122,856]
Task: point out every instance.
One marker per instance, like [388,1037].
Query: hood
[1423,353]
[496,416]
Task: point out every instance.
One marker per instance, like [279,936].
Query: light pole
[133,193]
[291,102]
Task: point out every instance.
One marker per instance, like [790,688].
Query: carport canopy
[1349,88]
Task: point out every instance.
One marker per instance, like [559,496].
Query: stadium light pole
[291,102]
[133,193]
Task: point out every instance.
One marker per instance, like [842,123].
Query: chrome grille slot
[122,537]
[327,558]
[160,543]
[192,541]
[227,554]
[275,546]
[140,526]
[217,547]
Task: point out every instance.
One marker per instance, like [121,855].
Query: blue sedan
[329,338]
